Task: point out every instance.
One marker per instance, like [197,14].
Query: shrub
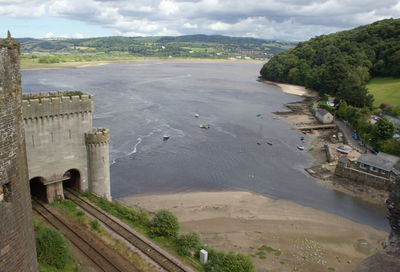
[228,262]
[49,59]
[165,223]
[80,213]
[95,225]
[51,246]
[187,242]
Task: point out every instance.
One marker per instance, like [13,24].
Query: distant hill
[342,63]
[192,46]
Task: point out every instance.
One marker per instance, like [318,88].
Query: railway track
[93,249]
[153,252]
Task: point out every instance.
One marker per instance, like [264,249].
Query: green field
[386,90]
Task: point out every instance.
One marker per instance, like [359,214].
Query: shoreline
[292,89]
[307,239]
[299,115]
[77,65]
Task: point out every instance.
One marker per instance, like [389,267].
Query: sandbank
[308,239]
[40,66]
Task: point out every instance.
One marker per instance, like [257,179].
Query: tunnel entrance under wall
[38,189]
[74,180]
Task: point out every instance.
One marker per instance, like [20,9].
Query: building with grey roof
[383,165]
[323,116]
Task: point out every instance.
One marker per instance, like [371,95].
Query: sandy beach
[293,89]
[308,239]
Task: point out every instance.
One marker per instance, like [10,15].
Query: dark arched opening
[38,189]
[73,181]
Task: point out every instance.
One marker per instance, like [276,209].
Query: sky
[292,20]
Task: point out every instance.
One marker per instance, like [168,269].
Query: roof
[322,112]
[377,161]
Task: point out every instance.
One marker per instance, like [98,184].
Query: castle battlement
[56,103]
[98,136]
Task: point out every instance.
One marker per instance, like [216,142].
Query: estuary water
[140,102]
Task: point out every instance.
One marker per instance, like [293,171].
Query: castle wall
[55,128]
[17,243]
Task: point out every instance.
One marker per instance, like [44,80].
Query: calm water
[140,102]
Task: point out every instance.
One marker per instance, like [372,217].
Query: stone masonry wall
[364,178]
[55,128]
[17,244]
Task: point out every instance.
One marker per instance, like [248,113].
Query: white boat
[300,147]
[342,149]
[165,137]
[197,115]
[205,126]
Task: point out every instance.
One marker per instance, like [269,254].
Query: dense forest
[341,64]
[191,46]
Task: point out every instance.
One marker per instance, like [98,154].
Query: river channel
[140,102]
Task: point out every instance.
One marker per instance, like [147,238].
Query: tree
[384,129]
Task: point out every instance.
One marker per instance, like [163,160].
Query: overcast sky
[294,20]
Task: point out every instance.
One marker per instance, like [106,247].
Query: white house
[323,116]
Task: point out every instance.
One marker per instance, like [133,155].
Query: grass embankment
[386,90]
[53,250]
[78,217]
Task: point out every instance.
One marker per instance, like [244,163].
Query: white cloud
[78,36]
[22,9]
[220,26]
[277,19]
[189,25]
[168,7]
[49,35]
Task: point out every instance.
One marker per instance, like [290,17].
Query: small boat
[269,142]
[205,126]
[197,115]
[302,138]
[300,147]
[342,149]
[165,137]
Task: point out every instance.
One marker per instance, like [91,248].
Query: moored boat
[300,147]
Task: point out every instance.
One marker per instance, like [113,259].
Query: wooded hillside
[341,64]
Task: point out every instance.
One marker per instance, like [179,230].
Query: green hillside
[341,64]
[386,90]
[193,46]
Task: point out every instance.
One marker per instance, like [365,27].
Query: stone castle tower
[63,149]
[17,243]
